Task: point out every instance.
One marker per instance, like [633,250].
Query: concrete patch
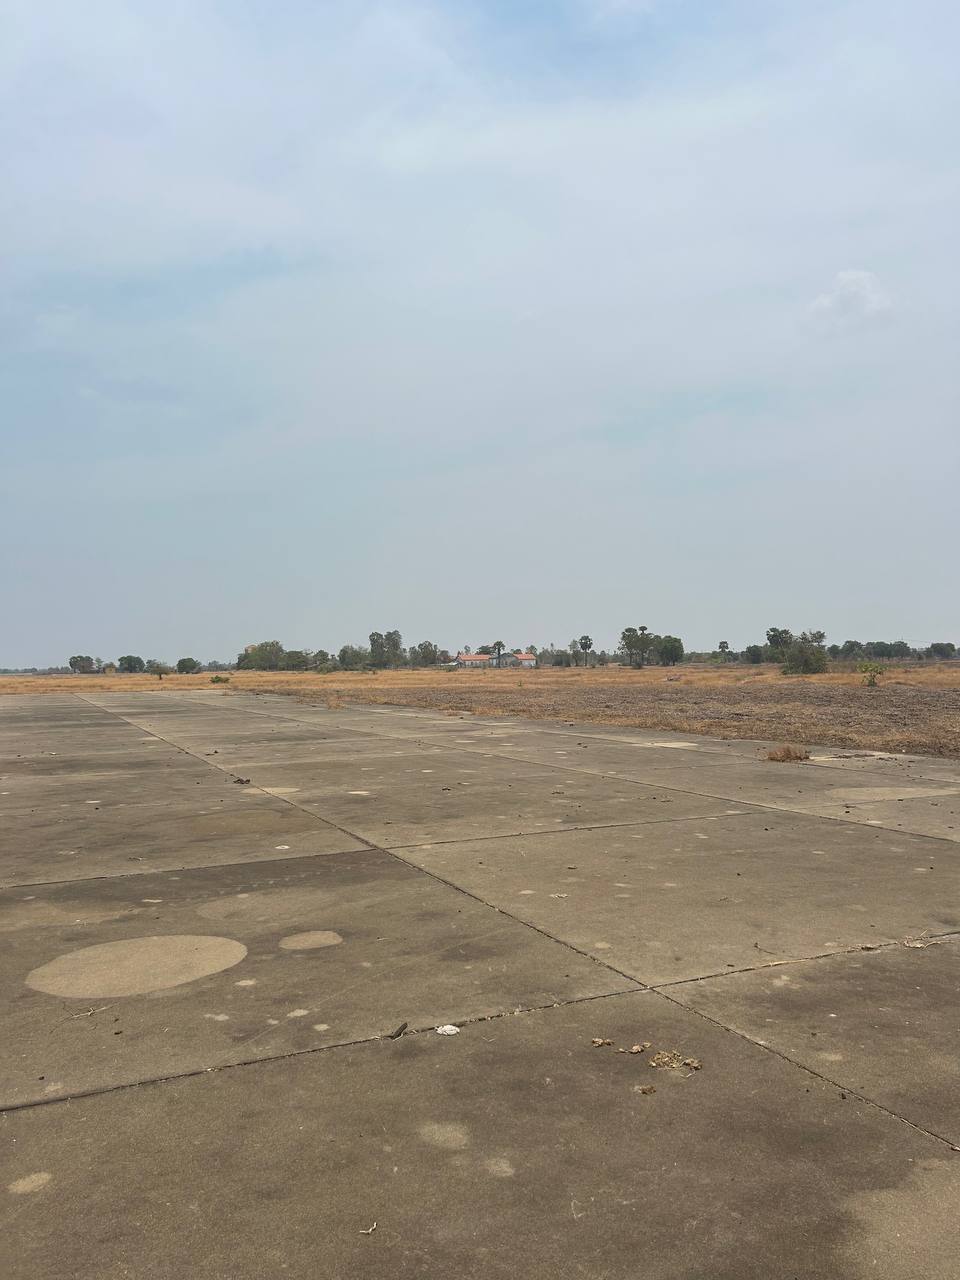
[135,966]
[311,940]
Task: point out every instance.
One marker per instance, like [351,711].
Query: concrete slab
[884,1023]
[454,796]
[365,752]
[107,789]
[513,1149]
[933,813]
[883,764]
[123,757]
[677,900]
[48,846]
[800,788]
[233,964]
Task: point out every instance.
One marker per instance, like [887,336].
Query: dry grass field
[915,709]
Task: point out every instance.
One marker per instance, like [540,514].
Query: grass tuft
[782,755]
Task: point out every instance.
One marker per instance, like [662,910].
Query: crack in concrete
[927,939]
[385,1038]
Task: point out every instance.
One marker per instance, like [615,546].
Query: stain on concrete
[310,941]
[135,966]
[32,1182]
[445,1134]
[265,906]
[17,916]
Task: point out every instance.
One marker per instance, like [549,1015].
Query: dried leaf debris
[667,1059]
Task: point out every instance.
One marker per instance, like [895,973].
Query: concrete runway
[216,909]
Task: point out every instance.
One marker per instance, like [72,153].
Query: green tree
[779,638]
[425,654]
[497,649]
[352,657]
[806,655]
[644,643]
[378,649]
[630,644]
[942,649]
[671,650]
[265,656]
[393,645]
[81,664]
[187,666]
[586,644]
[753,653]
[131,662]
[295,660]
[724,648]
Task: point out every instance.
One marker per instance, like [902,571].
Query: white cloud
[855,296]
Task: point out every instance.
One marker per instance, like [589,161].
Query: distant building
[518,659]
[474,660]
[479,661]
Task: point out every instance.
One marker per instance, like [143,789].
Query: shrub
[219,679]
[870,671]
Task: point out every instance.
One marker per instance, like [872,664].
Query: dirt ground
[912,709]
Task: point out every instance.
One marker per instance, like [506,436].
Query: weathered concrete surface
[677,900]
[514,1149]
[337,948]
[886,1022]
[253,945]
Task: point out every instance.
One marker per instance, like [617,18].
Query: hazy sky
[476,319]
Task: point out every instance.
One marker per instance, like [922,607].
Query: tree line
[803,653]
[808,653]
[132,663]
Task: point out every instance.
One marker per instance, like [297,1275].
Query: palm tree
[586,644]
[498,647]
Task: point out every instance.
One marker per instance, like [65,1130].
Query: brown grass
[784,755]
[913,709]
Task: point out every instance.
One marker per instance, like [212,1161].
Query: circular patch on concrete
[308,941]
[136,966]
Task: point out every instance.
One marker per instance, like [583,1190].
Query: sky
[510,320]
